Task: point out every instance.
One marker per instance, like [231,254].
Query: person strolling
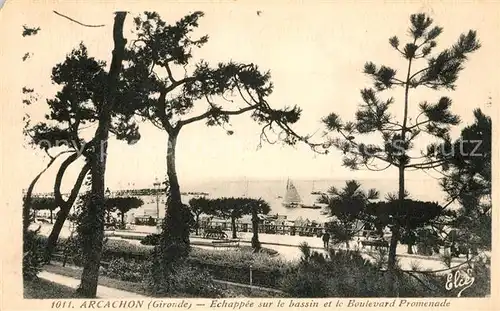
[326,239]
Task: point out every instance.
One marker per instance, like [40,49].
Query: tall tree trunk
[51,216]
[94,232]
[396,230]
[233,227]
[123,219]
[255,229]
[175,231]
[93,239]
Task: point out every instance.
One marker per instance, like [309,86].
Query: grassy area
[42,289]
[265,250]
[76,272]
[268,251]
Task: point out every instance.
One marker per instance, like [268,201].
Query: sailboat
[246,189]
[315,192]
[292,197]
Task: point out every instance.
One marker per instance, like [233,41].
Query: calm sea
[272,190]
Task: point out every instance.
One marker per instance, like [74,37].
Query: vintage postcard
[240,155]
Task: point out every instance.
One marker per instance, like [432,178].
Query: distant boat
[314,206]
[315,192]
[197,194]
[292,198]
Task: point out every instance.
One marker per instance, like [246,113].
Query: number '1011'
[61,304]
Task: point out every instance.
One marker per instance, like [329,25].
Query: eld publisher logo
[459,279]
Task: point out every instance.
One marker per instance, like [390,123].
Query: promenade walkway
[287,247]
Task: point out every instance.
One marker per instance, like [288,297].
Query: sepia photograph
[236,150]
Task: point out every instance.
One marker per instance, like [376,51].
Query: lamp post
[157,185]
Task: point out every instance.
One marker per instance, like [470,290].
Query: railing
[265,228]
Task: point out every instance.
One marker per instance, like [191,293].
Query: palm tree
[347,205]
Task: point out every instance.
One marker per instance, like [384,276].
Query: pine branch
[427,165]
[75,21]
[377,169]
[357,145]
[212,110]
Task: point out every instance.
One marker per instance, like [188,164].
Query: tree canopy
[165,85]
[467,179]
[237,207]
[43,203]
[124,204]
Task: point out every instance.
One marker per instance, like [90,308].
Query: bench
[217,234]
[59,256]
[376,243]
[109,227]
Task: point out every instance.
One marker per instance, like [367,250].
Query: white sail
[291,195]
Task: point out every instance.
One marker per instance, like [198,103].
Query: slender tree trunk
[29,194]
[51,217]
[409,249]
[391,265]
[56,230]
[176,225]
[233,227]
[93,240]
[197,223]
[65,208]
[123,219]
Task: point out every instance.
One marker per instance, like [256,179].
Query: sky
[315,52]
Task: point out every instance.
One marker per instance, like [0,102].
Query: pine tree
[166,86]
[397,135]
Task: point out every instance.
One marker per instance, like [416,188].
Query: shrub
[348,274]
[71,248]
[180,278]
[482,278]
[32,254]
[235,266]
[342,274]
[151,239]
[131,270]
[115,249]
